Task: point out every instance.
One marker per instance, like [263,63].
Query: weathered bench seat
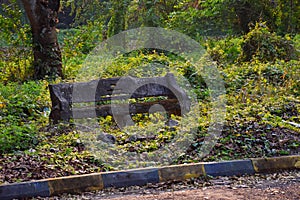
[119,97]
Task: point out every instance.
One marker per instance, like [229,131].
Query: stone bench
[119,97]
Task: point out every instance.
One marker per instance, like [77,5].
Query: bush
[76,43]
[16,137]
[226,50]
[15,44]
[21,114]
[265,46]
[256,75]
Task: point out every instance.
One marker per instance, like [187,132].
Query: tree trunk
[42,15]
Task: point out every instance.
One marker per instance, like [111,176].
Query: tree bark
[42,15]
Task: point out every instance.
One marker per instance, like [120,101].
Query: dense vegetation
[255,45]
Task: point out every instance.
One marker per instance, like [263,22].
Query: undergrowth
[262,91]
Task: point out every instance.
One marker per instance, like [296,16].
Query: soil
[223,193]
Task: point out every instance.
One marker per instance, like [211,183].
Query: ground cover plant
[260,70]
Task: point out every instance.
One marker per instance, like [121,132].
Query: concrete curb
[126,178]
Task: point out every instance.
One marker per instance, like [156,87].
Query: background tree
[42,15]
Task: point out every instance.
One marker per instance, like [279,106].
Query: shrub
[15,44]
[21,114]
[265,46]
[226,50]
[76,43]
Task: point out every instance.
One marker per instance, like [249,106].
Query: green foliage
[226,50]
[21,114]
[80,41]
[88,10]
[221,17]
[17,137]
[149,13]
[15,44]
[194,18]
[64,150]
[14,32]
[213,17]
[296,42]
[76,43]
[15,65]
[245,12]
[116,23]
[260,71]
[260,43]
[287,16]
[202,18]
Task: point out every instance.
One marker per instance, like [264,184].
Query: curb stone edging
[143,176]
[276,163]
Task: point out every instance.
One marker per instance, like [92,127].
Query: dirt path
[291,192]
[275,186]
